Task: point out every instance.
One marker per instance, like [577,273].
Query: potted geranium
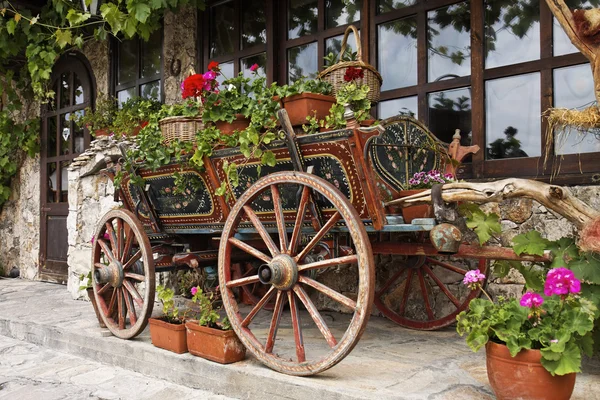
[306,97]
[419,182]
[168,331]
[98,120]
[210,337]
[533,345]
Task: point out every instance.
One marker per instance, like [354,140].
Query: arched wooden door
[62,141]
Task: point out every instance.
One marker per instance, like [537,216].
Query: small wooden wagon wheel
[276,337]
[123,273]
[426,292]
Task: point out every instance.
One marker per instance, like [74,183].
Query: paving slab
[389,362]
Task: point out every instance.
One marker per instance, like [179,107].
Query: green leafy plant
[332,58]
[559,324]
[354,95]
[208,315]
[133,114]
[99,119]
[304,85]
[485,225]
[170,311]
[85,281]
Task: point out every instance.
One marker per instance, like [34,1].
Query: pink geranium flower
[254,67]
[531,300]
[473,279]
[561,281]
[194,291]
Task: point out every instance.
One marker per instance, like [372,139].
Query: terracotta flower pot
[412,212]
[214,344]
[238,124]
[523,376]
[101,132]
[90,293]
[168,336]
[300,106]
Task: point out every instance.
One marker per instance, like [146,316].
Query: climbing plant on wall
[32,39]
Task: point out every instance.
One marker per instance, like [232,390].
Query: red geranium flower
[213,66]
[353,73]
[193,86]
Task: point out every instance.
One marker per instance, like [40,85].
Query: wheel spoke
[112,237]
[441,285]
[133,291]
[104,288]
[106,250]
[299,220]
[261,230]
[130,308]
[258,307]
[137,277]
[250,250]
[316,316]
[121,308]
[274,322]
[128,242]
[111,306]
[390,282]
[133,260]
[317,238]
[300,353]
[406,291]
[326,263]
[340,298]
[425,295]
[242,281]
[119,238]
[446,265]
[279,217]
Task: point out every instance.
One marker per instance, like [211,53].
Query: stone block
[489,208]
[517,210]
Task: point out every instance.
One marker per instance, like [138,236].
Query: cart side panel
[331,159]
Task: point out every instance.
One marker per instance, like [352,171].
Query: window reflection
[151,90]
[513,117]
[51,147]
[512,32]
[65,92]
[334,44]
[404,106]
[222,35]
[78,135]
[449,47]
[397,55]
[226,71]
[151,55]
[302,18]
[341,12]
[574,88]
[127,68]
[302,62]
[64,181]
[79,95]
[64,134]
[124,95]
[450,110]
[254,23]
[52,183]
[260,60]
[384,6]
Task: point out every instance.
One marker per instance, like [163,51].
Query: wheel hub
[281,272]
[111,273]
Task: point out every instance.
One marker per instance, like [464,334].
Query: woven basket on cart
[182,128]
[335,73]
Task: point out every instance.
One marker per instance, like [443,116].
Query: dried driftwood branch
[556,198]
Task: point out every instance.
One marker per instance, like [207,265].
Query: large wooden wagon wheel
[123,273]
[276,337]
[426,292]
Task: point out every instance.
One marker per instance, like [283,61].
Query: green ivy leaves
[484,225]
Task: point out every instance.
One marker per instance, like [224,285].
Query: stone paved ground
[31,372]
[389,362]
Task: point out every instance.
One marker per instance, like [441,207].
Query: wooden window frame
[138,82]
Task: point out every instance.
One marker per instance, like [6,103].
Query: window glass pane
[151,55]
[64,181]
[151,90]
[125,95]
[512,112]
[65,92]
[562,44]
[574,88]
[397,55]
[226,71]
[127,68]
[52,183]
[512,32]
[449,49]
[51,135]
[302,18]
[79,95]
[260,59]
[384,6]
[341,12]
[450,110]
[78,135]
[254,23]
[302,61]
[222,35]
[52,102]
[334,45]
[65,134]
[405,106]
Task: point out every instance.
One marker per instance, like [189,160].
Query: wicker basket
[335,73]
[182,128]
